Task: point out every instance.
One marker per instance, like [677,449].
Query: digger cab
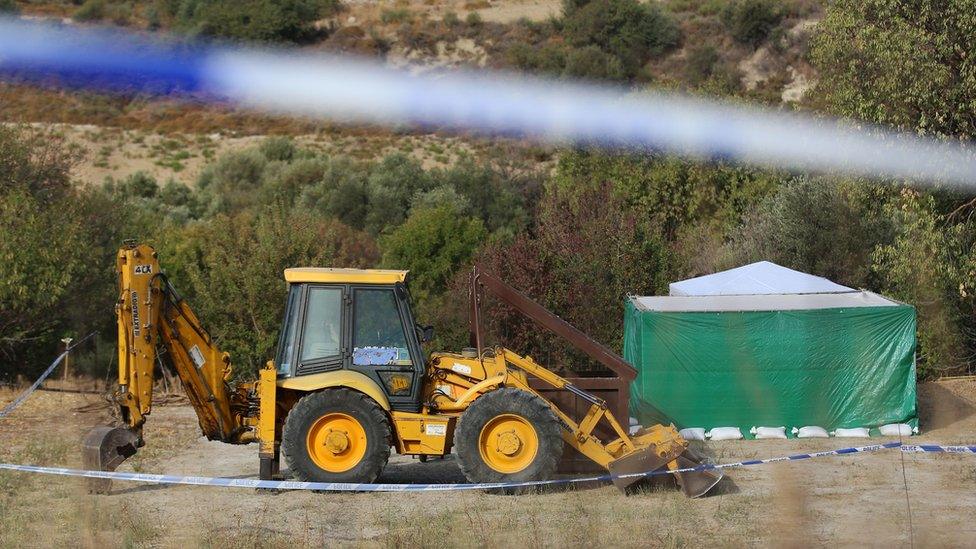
[353,319]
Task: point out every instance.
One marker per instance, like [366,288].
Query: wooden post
[67,344]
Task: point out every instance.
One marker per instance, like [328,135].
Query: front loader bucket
[104,449]
[658,447]
[634,466]
[696,483]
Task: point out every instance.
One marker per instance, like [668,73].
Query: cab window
[288,335]
[322,333]
[378,336]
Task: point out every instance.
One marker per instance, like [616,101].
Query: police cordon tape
[361,487]
[23,396]
[354,487]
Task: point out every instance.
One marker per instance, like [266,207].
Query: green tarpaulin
[843,360]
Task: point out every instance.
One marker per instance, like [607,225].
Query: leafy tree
[54,265]
[342,192]
[499,199]
[433,243]
[42,250]
[669,192]
[392,184]
[816,226]
[903,64]
[231,267]
[930,266]
[588,250]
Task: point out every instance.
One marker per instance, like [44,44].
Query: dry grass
[844,500]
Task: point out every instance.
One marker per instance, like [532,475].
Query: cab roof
[345,276]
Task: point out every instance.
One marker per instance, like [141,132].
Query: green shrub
[473,19]
[630,31]
[91,10]
[230,183]
[261,20]
[700,64]
[396,15]
[9,7]
[751,21]
[549,59]
[278,148]
[451,19]
[140,184]
[592,63]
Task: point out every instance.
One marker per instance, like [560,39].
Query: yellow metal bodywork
[150,315]
[424,434]
[344,276]
[455,381]
[267,424]
[338,378]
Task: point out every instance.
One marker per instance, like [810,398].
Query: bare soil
[849,500]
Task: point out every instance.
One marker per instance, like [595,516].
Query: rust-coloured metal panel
[615,391]
[543,317]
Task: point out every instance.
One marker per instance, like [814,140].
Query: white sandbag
[724,433]
[692,433]
[768,432]
[634,426]
[856,432]
[810,431]
[897,430]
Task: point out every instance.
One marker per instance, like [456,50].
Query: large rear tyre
[508,435]
[336,435]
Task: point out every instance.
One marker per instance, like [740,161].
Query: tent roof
[761,278]
[789,302]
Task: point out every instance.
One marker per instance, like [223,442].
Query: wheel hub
[337,441]
[509,443]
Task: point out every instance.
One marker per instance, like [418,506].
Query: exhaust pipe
[104,449]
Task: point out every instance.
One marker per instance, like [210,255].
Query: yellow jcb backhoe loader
[350,381]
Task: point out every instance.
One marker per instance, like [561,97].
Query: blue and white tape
[365,91]
[936,449]
[23,396]
[354,487]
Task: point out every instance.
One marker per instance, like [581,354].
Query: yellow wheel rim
[508,443]
[336,442]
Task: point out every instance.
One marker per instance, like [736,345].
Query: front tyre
[336,435]
[508,435]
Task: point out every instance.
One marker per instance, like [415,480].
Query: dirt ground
[849,500]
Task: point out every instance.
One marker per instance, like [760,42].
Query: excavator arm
[156,325]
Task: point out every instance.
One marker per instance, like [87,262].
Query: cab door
[315,332]
[384,344]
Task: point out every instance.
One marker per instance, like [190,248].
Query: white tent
[761,278]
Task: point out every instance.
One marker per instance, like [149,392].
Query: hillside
[727,48]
